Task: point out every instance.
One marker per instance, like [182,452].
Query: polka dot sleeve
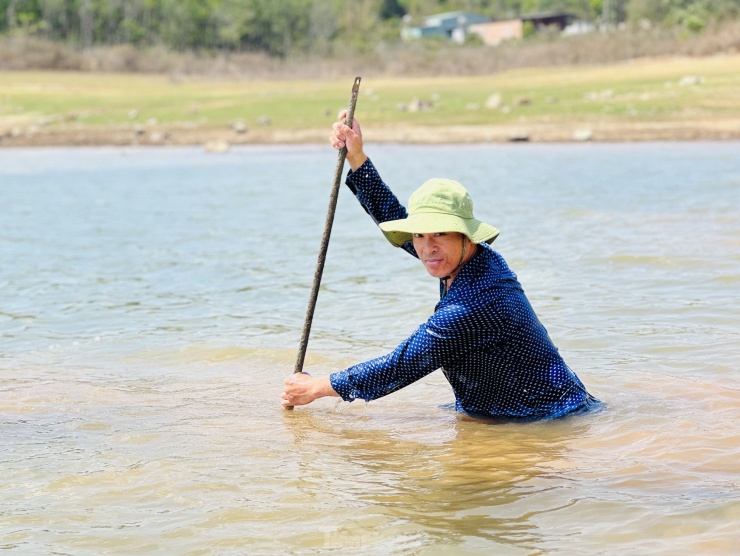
[376,197]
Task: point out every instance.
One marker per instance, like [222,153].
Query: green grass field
[656,90]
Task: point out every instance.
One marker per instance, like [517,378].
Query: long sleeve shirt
[484,335]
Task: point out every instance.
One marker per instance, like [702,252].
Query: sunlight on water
[152,306]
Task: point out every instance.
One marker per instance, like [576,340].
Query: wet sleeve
[437,343]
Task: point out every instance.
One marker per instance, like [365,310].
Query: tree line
[284,27]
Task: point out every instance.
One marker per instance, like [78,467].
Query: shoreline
[219,139]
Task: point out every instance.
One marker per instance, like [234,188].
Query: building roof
[453,19]
[545,15]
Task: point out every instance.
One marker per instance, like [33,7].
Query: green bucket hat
[439,205]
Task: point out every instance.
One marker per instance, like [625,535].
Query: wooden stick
[325,239]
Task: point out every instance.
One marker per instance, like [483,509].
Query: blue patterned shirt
[484,335]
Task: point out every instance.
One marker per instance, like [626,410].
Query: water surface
[152,302]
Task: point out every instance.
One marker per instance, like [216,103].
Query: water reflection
[152,306]
[455,480]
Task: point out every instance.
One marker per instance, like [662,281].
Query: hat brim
[399,232]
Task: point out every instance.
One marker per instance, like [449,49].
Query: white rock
[689,80]
[494,101]
[217,146]
[239,126]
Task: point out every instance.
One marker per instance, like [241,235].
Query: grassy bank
[664,98]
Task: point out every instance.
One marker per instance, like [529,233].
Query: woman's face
[440,253]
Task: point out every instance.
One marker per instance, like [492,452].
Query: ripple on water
[153,309]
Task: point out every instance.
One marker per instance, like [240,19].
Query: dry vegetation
[428,58]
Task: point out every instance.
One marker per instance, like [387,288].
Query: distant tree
[86,18]
[649,10]
[693,15]
[284,27]
[391,8]
[10,14]
[323,24]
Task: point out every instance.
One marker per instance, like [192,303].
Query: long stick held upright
[327,234]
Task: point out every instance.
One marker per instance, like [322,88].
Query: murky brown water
[152,302]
